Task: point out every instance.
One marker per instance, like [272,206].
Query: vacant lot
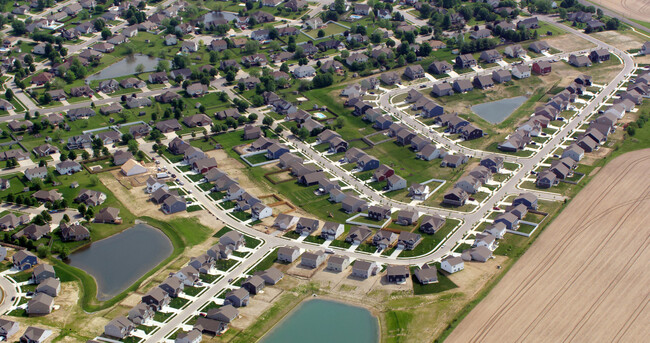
[586,277]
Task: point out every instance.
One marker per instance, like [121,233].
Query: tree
[126,138]
[82,209]
[42,251]
[230,76]
[46,216]
[72,155]
[613,24]
[85,155]
[139,68]
[252,117]
[268,121]
[106,34]
[284,67]
[321,33]
[18,27]
[133,146]
[322,80]
[251,47]
[339,122]
[63,156]
[162,65]
[339,6]
[9,94]
[64,253]
[302,133]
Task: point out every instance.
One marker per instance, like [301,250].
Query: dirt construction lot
[585,278]
[635,9]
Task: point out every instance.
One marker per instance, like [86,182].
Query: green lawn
[431,241]
[178,303]
[443,284]
[266,263]
[193,291]
[161,317]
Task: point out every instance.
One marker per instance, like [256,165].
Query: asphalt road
[8,292]
[469,220]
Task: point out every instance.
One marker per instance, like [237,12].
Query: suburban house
[527,199]
[254,284]
[119,327]
[521,71]
[358,235]
[465,61]
[452,264]
[455,197]
[539,46]
[331,230]
[406,218]
[312,260]
[408,240]
[288,254]
[426,275]
[108,215]
[397,274]
[542,67]
[40,304]
[384,239]
[364,269]
[338,263]
[414,72]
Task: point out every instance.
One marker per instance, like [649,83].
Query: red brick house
[541,67]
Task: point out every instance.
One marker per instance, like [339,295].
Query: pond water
[497,111]
[120,260]
[126,67]
[325,321]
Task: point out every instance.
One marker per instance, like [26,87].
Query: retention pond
[497,111]
[325,321]
[126,66]
[118,261]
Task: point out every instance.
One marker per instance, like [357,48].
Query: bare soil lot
[568,43]
[585,278]
[623,40]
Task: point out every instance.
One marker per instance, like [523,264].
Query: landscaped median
[181,232]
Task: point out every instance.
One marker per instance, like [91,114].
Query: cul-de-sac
[354,171]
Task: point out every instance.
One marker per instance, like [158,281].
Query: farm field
[633,9]
[585,276]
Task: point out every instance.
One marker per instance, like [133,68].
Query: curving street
[468,219]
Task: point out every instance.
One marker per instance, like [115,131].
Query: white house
[261,211]
[304,71]
[469,184]
[331,230]
[574,152]
[68,167]
[154,185]
[497,230]
[485,240]
[452,264]
[521,71]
